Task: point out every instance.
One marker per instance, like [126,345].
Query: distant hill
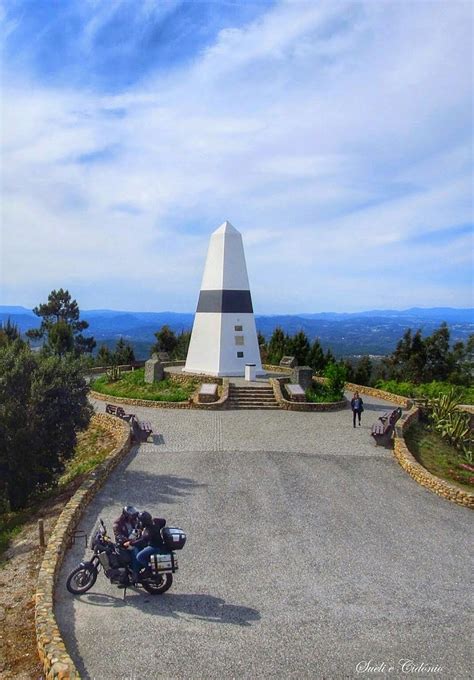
[370,332]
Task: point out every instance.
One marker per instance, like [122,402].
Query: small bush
[320,393]
[428,390]
[336,376]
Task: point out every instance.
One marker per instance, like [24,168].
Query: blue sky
[335,135]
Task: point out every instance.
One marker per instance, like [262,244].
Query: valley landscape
[373,332]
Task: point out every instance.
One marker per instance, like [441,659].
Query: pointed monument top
[225,264]
[226,228]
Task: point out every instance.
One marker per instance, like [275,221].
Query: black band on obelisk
[225,301]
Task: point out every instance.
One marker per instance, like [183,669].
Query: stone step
[250,399]
[254,407]
[249,391]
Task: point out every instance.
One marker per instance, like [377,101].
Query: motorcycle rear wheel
[81,579]
[158,587]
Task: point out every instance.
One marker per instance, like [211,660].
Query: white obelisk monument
[224,337]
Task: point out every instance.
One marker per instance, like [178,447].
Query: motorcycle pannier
[163,563]
[174,538]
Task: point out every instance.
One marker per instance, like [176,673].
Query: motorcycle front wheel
[81,580]
[159,585]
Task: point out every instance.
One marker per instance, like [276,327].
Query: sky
[335,135]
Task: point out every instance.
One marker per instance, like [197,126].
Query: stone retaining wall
[277,383]
[372,392]
[97,370]
[192,402]
[276,369]
[419,473]
[57,664]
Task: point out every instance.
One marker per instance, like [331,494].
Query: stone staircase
[251,397]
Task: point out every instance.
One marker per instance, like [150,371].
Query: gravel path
[309,551]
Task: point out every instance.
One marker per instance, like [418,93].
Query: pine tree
[104,356]
[363,372]
[316,358]
[299,347]
[123,353]
[277,346]
[166,341]
[9,332]
[61,326]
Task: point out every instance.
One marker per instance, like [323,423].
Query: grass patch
[438,456]
[426,390]
[133,386]
[10,525]
[320,393]
[93,445]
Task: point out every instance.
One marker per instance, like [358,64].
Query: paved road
[309,551]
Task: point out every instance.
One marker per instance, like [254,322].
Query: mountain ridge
[346,333]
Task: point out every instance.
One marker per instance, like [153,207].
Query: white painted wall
[204,348]
[230,364]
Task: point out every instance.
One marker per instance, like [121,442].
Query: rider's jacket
[123,528]
[151,535]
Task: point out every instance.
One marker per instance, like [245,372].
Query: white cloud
[331,134]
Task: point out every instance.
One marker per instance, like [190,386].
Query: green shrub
[452,424]
[428,390]
[336,376]
[320,393]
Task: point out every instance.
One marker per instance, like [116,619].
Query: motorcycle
[116,563]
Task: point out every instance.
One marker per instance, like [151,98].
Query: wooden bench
[207,393]
[141,429]
[383,430]
[119,412]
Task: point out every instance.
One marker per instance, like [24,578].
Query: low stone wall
[97,370]
[372,392]
[139,402]
[277,369]
[221,403]
[57,664]
[379,394]
[277,384]
[183,378]
[419,473]
[192,402]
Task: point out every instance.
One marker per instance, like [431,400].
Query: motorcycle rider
[149,542]
[126,525]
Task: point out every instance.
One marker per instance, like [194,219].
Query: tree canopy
[43,403]
[420,360]
[61,325]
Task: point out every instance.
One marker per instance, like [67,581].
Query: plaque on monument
[288,362]
[153,370]
[303,375]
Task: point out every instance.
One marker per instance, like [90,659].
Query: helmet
[145,519]
[130,511]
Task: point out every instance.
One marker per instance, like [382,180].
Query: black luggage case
[174,538]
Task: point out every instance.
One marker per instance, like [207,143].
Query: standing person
[149,542]
[357,406]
